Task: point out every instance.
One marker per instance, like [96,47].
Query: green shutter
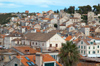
[89,52]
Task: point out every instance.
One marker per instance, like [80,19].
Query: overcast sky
[41,5]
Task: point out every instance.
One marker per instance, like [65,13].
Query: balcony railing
[52,48]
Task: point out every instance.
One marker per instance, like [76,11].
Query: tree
[69,54]
[99,18]
[84,17]
[71,9]
[18,12]
[57,11]
[4,26]
[65,9]
[84,9]
[17,24]
[96,9]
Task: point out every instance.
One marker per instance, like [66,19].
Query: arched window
[33,43]
[50,45]
[16,64]
[56,45]
[30,43]
[36,43]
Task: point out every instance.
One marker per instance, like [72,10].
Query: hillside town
[36,40]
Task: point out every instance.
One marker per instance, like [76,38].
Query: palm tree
[69,54]
[99,18]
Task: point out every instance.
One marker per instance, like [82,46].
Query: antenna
[20,60]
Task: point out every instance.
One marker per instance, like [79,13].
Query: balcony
[53,49]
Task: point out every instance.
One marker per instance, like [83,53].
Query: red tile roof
[46,19]
[45,58]
[3,35]
[23,48]
[68,38]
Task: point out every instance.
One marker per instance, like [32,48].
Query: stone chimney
[39,59]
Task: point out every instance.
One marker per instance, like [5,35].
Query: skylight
[27,58]
[30,63]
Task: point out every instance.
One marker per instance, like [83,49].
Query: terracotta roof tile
[46,58]
[68,38]
[46,19]
[24,48]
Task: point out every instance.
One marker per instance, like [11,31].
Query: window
[54,56]
[78,46]
[91,42]
[89,47]
[98,46]
[98,51]
[81,51]
[81,47]
[50,45]
[84,47]
[61,44]
[56,45]
[84,52]
[93,52]
[94,41]
[81,42]
[16,64]
[30,63]
[30,43]
[93,47]
[89,52]
[0,43]
[36,43]
[71,28]
[24,42]
[49,64]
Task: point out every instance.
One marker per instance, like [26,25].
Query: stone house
[86,30]
[91,16]
[89,47]
[9,38]
[48,41]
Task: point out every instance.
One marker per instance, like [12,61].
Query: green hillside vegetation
[5,18]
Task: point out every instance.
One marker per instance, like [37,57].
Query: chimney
[39,59]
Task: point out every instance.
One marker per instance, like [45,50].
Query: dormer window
[94,41]
[26,50]
[81,42]
[91,42]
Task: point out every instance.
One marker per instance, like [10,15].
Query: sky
[41,5]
